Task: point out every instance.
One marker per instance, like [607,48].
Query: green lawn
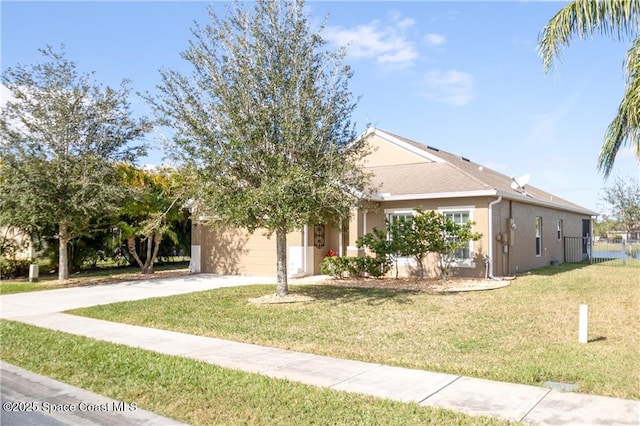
[202,394]
[524,333]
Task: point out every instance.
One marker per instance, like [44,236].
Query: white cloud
[387,43]
[5,95]
[626,153]
[451,87]
[396,16]
[433,39]
[405,23]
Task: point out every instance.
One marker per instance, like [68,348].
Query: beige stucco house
[18,245]
[523,227]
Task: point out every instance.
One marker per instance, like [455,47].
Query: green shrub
[376,267]
[334,266]
[354,267]
[11,268]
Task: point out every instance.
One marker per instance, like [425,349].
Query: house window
[395,215]
[460,217]
[559,229]
[538,236]
[406,216]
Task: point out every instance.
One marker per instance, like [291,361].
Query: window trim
[560,229]
[538,235]
[468,262]
[389,212]
[403,260]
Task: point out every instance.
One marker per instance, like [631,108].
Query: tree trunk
[63,255]
[396,265]
[282,287]
[131,246]
[421,266]
[147,259]
[148,265]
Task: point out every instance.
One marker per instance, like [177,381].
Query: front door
[586,238]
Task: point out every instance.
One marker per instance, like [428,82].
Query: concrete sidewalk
[529,404]
[49,402]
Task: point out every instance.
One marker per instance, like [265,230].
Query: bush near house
[11,263]
[426,232]
[340,267]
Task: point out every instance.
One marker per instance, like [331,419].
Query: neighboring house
[624,235]
[523,227]
[15,245]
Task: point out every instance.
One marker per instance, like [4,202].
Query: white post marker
[583,324]
[33,273]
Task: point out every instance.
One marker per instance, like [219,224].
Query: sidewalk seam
[359,374]
[535,405]
[445,386]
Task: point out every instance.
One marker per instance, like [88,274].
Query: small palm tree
[614,18]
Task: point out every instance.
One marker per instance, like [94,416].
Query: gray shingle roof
[456,174]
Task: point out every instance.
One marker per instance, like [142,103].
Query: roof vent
[465,159]
[433,149]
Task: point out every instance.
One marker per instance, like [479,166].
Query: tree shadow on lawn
[371,296]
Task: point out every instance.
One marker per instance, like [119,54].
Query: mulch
[432,285]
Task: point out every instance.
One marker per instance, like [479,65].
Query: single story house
[523,227]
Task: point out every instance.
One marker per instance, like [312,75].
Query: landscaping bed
[433,285]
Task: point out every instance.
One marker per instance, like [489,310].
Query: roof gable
[388,149]
[442,174]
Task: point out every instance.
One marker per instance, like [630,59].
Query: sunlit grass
[524,333]
[202,394]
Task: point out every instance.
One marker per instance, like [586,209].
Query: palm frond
[583,18]
[624,129]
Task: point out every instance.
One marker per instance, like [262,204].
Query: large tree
[623,198]
[60,137]
[264,119]
[616,18]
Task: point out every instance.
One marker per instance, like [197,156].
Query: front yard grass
[202,394]
[524,333]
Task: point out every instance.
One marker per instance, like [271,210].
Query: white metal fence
[618,252]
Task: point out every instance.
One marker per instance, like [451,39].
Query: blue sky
[461,76]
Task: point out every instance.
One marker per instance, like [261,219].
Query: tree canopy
[150,211]
[264,120]
[60,138]
[623,197]
[615,18]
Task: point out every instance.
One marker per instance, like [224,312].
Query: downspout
[364,224]
[340,241]
[490,255]
[305,236]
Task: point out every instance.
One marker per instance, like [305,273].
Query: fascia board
[543,203]
[433,195]
[480,193]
